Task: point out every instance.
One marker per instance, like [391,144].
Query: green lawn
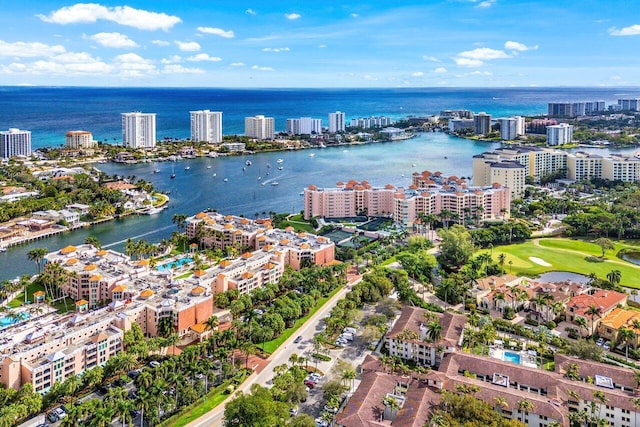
[215,397]
[271,346]
[566,255]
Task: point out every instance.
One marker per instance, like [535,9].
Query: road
[214,418]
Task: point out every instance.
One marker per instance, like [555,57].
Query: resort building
[79,140]
[336,122]
[575,109]
[631,104]
[304,126]
[602,301]
[259,127]
[459,124]
[206,126]
[139,130]
[620,318]
[482,123]
[410,339]
[511,128]
[559,134]
[512,377]
[241,235]
[429,194]
[583,165]
[15,142]
[371,122]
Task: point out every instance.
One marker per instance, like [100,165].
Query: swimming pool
[509,356]
[174,264]
[10,320]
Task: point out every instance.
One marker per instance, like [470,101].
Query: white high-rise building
[559,134]
[336,122]
[511,128]
[139,130]
[206,126]
[304,126]
[15,142]
[79,139]
[259,127]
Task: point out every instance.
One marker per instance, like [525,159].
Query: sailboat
[173,172]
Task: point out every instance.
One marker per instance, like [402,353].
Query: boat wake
[157,230]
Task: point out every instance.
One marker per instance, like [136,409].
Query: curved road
[214,418]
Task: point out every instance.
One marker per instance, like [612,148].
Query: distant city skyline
[447,43]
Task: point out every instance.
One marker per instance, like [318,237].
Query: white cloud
[67,64]
[370,78]
[133,65]
[518,47]
[631,30]
[322,46]
[466,62]
[354,15]
[255,67]
[237,64]
[292,16]
[179,69]
[217,31]
[481,73]
[250,11]
[89,13]
[160,42]
[28,49]
[276,49]
[204,57]
[483,54]
[440,70]
[485,4]
[417,74]
[430,58]
[188,46]
[172,59]
[115,40]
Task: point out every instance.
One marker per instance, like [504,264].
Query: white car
[321,423]
[60,413]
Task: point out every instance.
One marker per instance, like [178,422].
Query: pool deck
[525,358]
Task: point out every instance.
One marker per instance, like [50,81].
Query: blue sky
[204,43]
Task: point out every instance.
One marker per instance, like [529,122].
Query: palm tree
[582,323]
[180,220]
[393,405]
[614,276]
[624,337]
[524,406]
[501,403]
[212,323]
[501,260]
[593,311]
[93,240]
[601,398]
[349,375]
[37,255]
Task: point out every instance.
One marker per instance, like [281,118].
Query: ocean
[49,112]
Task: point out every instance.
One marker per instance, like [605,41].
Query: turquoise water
[511,357]
[8,321]
[174,264]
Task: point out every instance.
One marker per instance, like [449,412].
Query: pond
[631,256]
[561,276]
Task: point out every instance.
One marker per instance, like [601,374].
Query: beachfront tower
[15,142]
[259,127]
[79,140]
[206,126]
[482,123]
[559,134]
[336,122]
[139,130]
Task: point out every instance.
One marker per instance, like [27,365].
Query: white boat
[312,155]
[259,178]
[156,170]
[187,168]
[215,174]
[153,211]
[264,183]
[248,163]
[413,165]
[226,180]
[345,151]
[274,183]
[280,168]
[3,249]
[208,167]
[279,161]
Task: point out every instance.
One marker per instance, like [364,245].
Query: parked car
[60,412]
[309,384]
[52,417]
[293,411]
[134,374]
[298,339]
[321,423]
[154,364]
[600,341]
[350,330]
[315,375]
[330,409]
